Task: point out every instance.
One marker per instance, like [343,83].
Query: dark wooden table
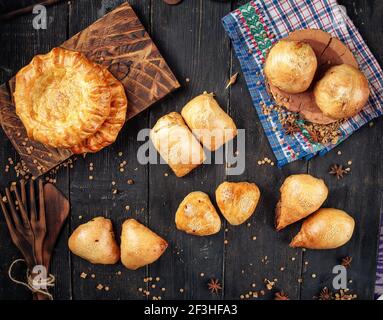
[192,39]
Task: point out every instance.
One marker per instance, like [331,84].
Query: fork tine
[23,194]
[15,217]
[23,213]
[7,217]
[32,201]
[41,203]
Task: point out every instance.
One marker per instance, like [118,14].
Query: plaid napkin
[254,27]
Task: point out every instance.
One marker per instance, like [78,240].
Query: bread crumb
[83,275]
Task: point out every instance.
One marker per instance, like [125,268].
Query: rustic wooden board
[119,42]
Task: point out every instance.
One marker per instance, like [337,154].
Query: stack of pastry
[66,101]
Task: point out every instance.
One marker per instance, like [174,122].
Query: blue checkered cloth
[254,27]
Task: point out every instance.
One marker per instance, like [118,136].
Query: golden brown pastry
[176,144]
[94,241]
[196,215]
[325,229]
[111,127]
[139,245]
[342,92]
[212,126]
[301,195]
[62,98]
[291,66]
[237,200]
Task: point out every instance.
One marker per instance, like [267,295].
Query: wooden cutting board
[119,42]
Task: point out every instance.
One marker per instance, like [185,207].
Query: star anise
[315,136]
[346,262]
[338,171]
[281,296]
[214,286]
[325,294]
[290,128]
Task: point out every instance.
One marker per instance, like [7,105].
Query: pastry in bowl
[62,98]
[291,66]
[342,92]
[237,200]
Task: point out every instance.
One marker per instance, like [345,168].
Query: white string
[48,282]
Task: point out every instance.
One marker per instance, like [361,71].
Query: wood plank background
[191,38]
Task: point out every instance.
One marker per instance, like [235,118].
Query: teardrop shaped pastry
[196,215]
[140,246]
[94,241]
[237,200]
[301,195]
[325,229]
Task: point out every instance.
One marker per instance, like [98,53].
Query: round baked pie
[109,130]
[62,98]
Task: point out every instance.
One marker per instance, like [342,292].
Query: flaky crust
[196,215]
[301,195]
[94,241]
[212,126]
[176,144]
[237,200]
[140,246]
[111,127]
[62,98]
[325,229]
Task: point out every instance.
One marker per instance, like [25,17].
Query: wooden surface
[118,41]
[191,38]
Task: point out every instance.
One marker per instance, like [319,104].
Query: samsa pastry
[111,127]
[196,215]
[237,200]
[62,98]
[325,229]
[94,241]
[301,195]
[212,126]
[176,144]
[291,66]
[140,246]
[342,92]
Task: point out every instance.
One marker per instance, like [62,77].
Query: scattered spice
[326,294]
[83,275]
[290,128]
[269,284]
[130,181]
[232,80]
[346,262]
[337,171]
[281,296]
[344,294]
[214,286]
[100,286]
